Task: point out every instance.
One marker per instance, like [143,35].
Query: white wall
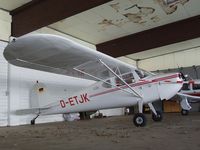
[5,25]
[185,58]
[5,30]
[113,112]
[127,60]
[3,87]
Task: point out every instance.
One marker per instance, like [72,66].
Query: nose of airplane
[169,85]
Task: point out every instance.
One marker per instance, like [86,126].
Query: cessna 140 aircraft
[118,84]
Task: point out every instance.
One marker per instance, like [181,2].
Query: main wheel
[157,117]
[139,120]
[184,112]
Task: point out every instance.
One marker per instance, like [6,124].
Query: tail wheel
[184,112]
[157,117]
[139,120]
[32,122]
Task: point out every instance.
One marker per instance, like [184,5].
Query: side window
[196,86]
[140,73]
[128,78]
[185,86]
[106,85]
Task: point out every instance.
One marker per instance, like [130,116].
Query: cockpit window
[185,87]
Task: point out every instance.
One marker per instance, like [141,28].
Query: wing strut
[134,92]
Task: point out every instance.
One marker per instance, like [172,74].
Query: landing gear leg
[33,120]
[156,115]
[139,119]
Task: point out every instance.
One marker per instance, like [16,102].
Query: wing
[59,55]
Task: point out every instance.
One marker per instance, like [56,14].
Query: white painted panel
[5,16]
[172,48]
[193,8]
[151,64]
[185,58]
[4,30]
[12,4]
[179,59]
[5,25]
[189,58]
[168,61]
[89,17]
[3,87]
[127,60]
[112,112]
[197,55]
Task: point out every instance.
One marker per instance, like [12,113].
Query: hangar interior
[155,35]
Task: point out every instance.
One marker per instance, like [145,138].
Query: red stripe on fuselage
[134,85]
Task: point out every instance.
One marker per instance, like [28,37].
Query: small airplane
[118,84]
[190,93]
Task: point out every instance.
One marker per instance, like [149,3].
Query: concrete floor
[175,132]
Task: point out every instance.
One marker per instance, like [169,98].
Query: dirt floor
[175,132]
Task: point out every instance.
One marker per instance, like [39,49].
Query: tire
[184,112]
[139,120]
[158,117]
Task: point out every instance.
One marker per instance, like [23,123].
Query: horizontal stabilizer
[28,111]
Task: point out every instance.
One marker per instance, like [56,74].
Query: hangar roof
[119,18]
[9,5]
[117,27]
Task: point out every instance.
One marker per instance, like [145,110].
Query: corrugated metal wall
[185,58]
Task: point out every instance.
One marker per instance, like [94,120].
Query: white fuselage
[99,96]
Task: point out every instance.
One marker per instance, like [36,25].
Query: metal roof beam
[164,35]
[40,13]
